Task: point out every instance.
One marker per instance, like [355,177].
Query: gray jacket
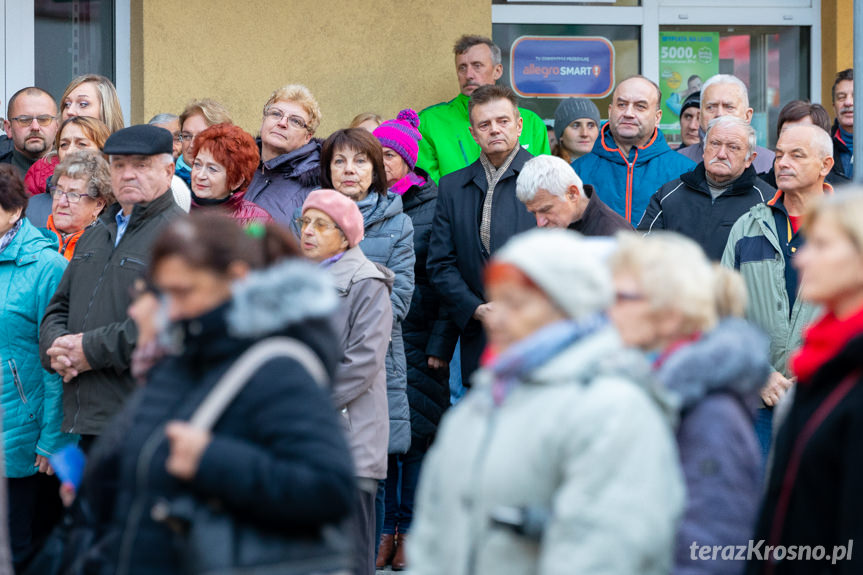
[364,323]
[579,438]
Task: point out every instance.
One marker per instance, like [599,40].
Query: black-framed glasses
[24,121]
[71,197]
[277,116]
[186,137]
[319,226]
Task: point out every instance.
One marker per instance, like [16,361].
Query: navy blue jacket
[456,256]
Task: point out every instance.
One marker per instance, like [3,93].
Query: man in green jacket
[761,246]
[447,144]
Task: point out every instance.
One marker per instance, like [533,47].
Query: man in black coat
[552,191]
[86,335]
[476,213]
[703,204]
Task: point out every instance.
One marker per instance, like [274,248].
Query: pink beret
[341,209]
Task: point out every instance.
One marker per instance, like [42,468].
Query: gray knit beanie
[573,109]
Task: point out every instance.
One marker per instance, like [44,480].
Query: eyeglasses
[277,115]
[622,296]
[186,137]
[319,226]
[25,121]
[179,138]
[71,197]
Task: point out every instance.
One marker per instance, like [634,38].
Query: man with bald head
[703,204]
[630,158]
[721,95]
[762,244]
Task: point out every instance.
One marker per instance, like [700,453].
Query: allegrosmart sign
[562,66]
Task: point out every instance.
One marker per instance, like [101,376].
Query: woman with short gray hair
[82,190]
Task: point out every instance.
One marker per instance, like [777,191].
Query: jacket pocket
[13,369]
[133,263]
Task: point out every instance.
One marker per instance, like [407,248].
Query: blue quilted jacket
[32,398]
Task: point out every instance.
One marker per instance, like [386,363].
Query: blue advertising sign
[562,66]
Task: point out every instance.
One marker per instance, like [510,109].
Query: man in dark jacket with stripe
[703,204]
[550,190]
[86,335]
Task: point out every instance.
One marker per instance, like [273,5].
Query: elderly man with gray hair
[726,95]
[552,191]
[703,204]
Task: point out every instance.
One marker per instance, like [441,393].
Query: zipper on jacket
[131,260]
[15,377]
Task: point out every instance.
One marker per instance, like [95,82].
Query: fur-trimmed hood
[271,300]
[733,357]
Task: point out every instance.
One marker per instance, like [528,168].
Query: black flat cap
[692,101]
[140,140]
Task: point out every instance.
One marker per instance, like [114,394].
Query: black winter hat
[140,140]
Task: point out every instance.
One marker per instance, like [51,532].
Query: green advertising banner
[686,60]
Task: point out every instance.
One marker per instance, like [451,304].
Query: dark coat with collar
[685,206]
[92,299]
[456,256]
[281,185]
[598,219]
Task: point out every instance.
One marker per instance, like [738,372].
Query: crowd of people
[454,341]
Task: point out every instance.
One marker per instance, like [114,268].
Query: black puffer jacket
[277,457]
[426,330]
[685,206]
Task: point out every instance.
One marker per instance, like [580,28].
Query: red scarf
[824,340]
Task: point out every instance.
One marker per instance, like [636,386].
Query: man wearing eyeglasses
[31,124]
[290,154]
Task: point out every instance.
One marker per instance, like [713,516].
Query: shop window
[73,37]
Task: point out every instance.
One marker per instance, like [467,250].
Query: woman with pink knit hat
[429,338]
[331,228]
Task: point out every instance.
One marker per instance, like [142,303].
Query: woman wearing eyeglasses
[81,192]
[290,154]
[331,229]
[31,397]
[224,157]
[76,133]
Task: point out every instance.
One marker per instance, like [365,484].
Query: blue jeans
[401,485]
[456,388]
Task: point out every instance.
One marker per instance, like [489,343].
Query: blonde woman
[667,304]
[94,96]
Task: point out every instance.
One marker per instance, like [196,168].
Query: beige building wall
[354,55]
[837,44]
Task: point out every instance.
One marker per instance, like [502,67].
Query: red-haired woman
[224,159]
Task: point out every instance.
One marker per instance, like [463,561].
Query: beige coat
[364,324]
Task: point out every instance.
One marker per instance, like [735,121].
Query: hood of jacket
[733,357]
[697,179]
[269,301]
[607,148]
[418,195]
[379,207]
[302,164]
[354,267]
[28,243]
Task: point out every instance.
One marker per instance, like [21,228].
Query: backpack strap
[227,388]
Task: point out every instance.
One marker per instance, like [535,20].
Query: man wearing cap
[576,125]
[86,335]
[447,144]
[690,121]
